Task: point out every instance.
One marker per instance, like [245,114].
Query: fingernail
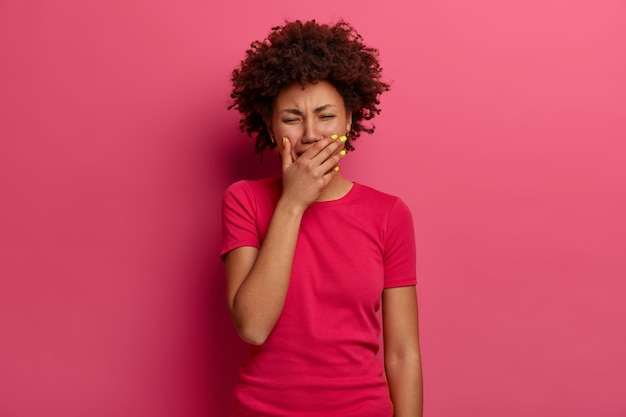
[337,168]
[343,138]
[334,137]
[343,152]
[284,141]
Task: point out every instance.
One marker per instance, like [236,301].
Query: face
[307,115]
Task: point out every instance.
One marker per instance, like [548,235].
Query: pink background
[504,132]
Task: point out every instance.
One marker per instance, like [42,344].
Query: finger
[286,155]
[330,165]
[341,150]
[328,150]
[324,147]
[330,174]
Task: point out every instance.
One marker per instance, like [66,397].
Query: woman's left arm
[403,364]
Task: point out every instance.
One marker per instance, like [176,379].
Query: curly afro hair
[307,52]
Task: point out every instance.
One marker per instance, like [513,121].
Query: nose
[311,133]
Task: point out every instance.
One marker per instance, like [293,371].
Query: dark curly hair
[307,52]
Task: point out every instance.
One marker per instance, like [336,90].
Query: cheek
[281,130]
[338,127]
[292,139]
[280,134]
[292,132]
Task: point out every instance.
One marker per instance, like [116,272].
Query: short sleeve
[239,213]
[399,257]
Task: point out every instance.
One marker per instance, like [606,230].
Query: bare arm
[258,279]
[403,364]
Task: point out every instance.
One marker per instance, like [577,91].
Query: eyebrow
[317,110]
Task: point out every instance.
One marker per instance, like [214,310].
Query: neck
[337,188]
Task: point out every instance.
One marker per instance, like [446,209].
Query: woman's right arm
[258,279]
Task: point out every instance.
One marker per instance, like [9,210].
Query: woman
[312,257]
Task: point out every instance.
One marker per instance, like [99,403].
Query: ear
[349,123]
[268,126]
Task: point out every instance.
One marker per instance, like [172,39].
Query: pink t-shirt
[321,357]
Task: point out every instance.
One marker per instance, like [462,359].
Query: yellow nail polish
[334,137]
[337,168]
[343,138]
[343,152]
[284,141]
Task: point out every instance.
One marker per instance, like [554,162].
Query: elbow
[251,335]
[252,339]
[251,326]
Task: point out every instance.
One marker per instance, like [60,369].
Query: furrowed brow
[316,110]
[292,111]
[324,107]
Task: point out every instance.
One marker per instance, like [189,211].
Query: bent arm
[258,279]
[403,365]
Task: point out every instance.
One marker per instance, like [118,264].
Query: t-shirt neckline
[341,200]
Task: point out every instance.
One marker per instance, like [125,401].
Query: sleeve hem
[235,245]
[401,282]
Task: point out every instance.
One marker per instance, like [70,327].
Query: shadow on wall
[227,161]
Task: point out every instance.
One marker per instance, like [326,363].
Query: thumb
[286,156]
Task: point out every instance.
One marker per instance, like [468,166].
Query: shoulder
[247,186]
[253,195]
[381,200]
[253,188]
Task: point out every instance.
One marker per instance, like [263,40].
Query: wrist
[288,208]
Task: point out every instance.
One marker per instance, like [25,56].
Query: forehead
[297,95]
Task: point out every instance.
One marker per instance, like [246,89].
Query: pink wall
[505,133]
